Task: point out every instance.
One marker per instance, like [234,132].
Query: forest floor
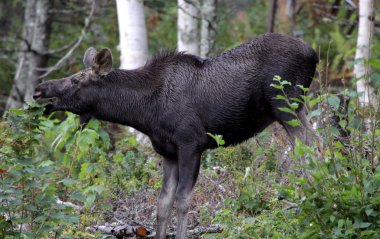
[139,208]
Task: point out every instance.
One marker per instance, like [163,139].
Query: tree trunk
[36,39]
[366,92]
[208,27]
[272,16]
[287,21]
[132,32]
[133,43]
[187,35]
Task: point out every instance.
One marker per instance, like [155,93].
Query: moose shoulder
[177,98]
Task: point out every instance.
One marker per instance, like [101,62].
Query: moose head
[77,92]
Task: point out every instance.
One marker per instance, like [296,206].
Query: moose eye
[74,81]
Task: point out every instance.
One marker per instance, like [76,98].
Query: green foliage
[43,160]
[337,198]
[28,206]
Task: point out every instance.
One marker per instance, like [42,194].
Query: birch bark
[367,96]
[132,33]
[208,27]
[187,23]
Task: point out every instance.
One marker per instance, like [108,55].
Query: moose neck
[126,97]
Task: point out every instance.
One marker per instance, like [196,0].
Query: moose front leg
[166,199]
[189,162]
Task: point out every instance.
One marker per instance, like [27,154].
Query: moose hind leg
[303,132]
[166,198]
[189,163]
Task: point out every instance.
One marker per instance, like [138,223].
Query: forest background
[58,182]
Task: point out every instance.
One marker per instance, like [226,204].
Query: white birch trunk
[208,27]
[132,33]
[187,23]
[133,42]
[367,96]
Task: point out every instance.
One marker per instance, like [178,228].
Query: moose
[176,99]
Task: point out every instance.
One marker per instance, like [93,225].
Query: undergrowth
[44,162]
[339,197]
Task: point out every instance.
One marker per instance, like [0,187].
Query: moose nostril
[37,94]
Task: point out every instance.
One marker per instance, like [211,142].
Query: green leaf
[361,225]
[132,141]
[280,97]
[96,188]
[78,196]
[287,110]
[305,89]
[296,100]
[334,101]
[280,87]
[218,139]
[294,122]
[369,211]
[277,78]
[315,101]
[284,82]
[90,199]
[375,63]
[294,105]
[341,223]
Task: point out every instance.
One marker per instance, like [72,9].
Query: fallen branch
[121,231]
[69,204]
[289,205]
[125,230]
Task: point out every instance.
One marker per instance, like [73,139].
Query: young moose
[177,98]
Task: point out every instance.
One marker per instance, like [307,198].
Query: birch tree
[35,44]
[133,41]
[187,23]
[132,33]
[366,92]
[208,12]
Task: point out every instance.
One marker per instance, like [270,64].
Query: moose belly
[237,130]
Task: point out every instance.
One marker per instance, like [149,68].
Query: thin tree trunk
[132,32]
[272,16]
[36,39]
[286,12]
[133,43]
[208,27]
[366,92]
[187,35]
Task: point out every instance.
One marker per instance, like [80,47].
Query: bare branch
[77,43]
[191,15]
[69,204]
[61,49]
[67,12]
[120,229]
[8,59]
[289,205]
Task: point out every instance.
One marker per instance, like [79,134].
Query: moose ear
[89,56]
[102,64]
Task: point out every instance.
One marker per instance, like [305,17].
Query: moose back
[177,98]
